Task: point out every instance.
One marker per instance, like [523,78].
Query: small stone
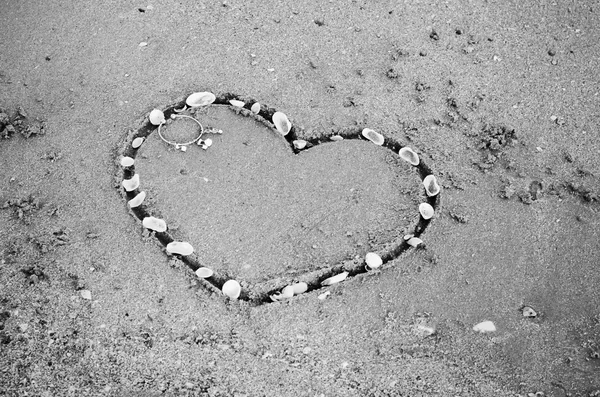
[484,327]
[552,52]
[423,53]
[528,312]
[86,294]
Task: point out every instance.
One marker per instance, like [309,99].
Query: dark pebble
[551,52]
[458,31]
[423,53]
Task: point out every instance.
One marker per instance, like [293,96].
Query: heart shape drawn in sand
[203,109]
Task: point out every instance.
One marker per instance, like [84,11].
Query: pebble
[198,99]
[86,294]
[373,136]
[232,289]
[204,272]
[373,260]
[282,124]
[484,327]
[127,161]
[407,154]
[137,200]
[431,186]
[529,312]
[180,248]
[137,142]
[426,210]
[335,279]
[236,103]
[131,184]
[255,108]
[324,295]
[156,224]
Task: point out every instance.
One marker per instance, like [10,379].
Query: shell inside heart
[192,250]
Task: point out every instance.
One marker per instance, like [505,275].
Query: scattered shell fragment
[373,260]
[484,326]
[255,108]
[86,294]
[335,279]
[407,154]
[337,138]
[529,312]
[373,136]
[324,295]
[180,248]
[198,99]
[137,200]
[431,186]
[204,272]
[127,161]
[299,144]
[414,242]
[157,117]
[426,210]
[131,184]
[156,224]
[232,289]
[236,103]
[137,142]
[282,124]
[300,288]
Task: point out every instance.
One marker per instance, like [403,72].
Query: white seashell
[204,272]
[180,248]
[337,138]
[157,117]
[236,103]
[137,200]
[373,136]
[431,186]
[299,144]
[156,224]
[335,279]
[484,326]
[426,210]
[86,294]
[414,242]
[373,260]
[324,295]
[232,289]
[407,154]
[282,124]
[255,108]
[127,161]
[137,142]
[300,288]
[131,184]
[198,99]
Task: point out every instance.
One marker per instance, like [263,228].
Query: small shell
[431,186]
[131,184]
[337,138]
[198,99]
[529,312]
[282,124]
[127,161]
[299,144]
[180,248]
[156,224]
[484,326]
[137,200]
[204,272]
[426,210]
[232,289]
[414,242]
[335,279]
[407,154]
[137,142]
[373,260]
[255,108]
[373,136]
[236,103]
[157,117]
[299,288]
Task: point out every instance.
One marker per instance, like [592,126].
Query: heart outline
[314,278]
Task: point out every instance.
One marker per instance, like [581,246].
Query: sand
[499,98]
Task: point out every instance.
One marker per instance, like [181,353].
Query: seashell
[204,272]
[156,224]
[137,142]
[426,210]
[373,136]
[529,312]
[431,186]
[414,242]
[137,200]
[373,260]
[484,326]
[282,124]
[236,103]
[127,161]
[336,138]
[335,279]
[255,108]
[300,288]
[180,248]
[324,295]
[198,99]
[232,289]
[157,117]
[407,154]
[131,184]
[299,144]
